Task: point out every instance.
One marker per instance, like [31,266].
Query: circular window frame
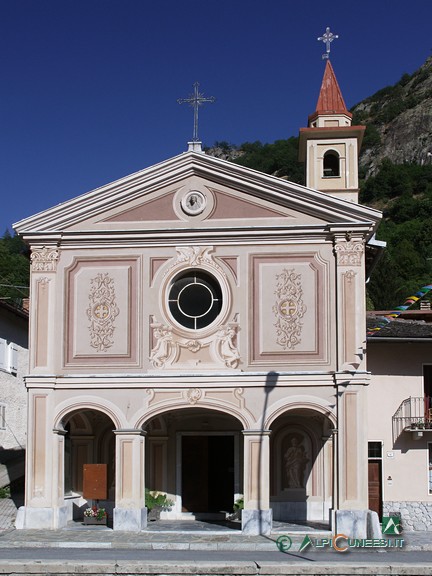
[215,277]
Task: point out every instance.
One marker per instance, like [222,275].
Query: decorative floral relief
[289,309]
[193,345]
[195,256]
[44,260]
[349,276]
[102,312]
[193,395]
[349,253]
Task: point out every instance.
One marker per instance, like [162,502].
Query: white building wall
[397,374]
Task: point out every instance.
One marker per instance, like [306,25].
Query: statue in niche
[295,462]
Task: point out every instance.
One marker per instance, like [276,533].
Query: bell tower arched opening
[331,164]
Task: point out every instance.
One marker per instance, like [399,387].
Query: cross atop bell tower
[327,38]
[330,144]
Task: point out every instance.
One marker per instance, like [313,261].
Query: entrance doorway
[375,477]
[207,478]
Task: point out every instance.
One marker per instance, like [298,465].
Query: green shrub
[5,492]
[157,499]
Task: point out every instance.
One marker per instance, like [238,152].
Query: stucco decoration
[44,260]
[349,253]
[350,275]
[164,345]
[195,256]
[289,309]
[171,350]
[102,312]
[226,346]
[193,395]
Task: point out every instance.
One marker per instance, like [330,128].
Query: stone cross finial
[196,100]
[327,38]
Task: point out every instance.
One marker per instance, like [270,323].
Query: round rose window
[195,299]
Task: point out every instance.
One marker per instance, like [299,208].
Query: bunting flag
[384,320]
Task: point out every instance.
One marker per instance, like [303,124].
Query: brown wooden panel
[375,489]
[95,481]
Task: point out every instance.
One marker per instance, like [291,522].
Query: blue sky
[89,88]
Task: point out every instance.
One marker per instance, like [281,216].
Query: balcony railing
[413,415]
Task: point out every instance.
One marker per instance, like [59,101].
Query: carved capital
[349,252]
[44,259]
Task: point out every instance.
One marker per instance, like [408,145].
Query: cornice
[226,235]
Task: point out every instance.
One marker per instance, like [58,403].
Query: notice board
[95,481]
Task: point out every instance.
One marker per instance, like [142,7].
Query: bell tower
[330,144]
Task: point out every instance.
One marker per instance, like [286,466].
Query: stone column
[257,514]
[130,513]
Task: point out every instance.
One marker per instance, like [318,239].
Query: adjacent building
[13,394]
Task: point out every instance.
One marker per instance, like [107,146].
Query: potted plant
[155,503]
[95,515]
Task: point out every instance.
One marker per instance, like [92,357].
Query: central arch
[195,456]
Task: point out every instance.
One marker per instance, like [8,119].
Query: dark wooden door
[194,474]
[375,487]
[207,473]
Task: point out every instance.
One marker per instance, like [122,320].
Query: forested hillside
[14,269]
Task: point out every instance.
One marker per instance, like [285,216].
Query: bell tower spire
[330,145]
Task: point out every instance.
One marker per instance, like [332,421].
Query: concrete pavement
[193,538]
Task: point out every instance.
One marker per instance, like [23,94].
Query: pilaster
[257,514]
[130,513]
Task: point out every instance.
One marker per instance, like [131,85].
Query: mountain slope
[399,121]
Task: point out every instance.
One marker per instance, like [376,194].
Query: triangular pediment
[231,196]
[226,206]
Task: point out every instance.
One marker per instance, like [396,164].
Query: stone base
[357,524]
[256,522]
[29,518]
[130,519]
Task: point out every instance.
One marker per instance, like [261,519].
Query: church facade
[199,327]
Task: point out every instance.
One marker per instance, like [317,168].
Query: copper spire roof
[330,100]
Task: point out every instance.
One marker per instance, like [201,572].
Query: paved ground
[173,535]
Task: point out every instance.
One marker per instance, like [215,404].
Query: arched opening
[302,467]
[89,439]
[195,457]
[331,164]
